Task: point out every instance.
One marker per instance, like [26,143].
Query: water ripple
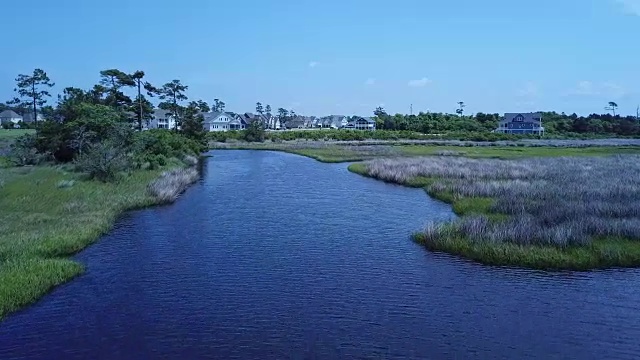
[277,256]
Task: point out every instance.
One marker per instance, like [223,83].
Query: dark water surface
[273,255]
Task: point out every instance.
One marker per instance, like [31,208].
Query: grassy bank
[49,214]
[546,213]
[337,152]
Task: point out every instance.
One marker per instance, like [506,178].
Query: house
[162,119]
[224,121]
[331,121]
[28,117]
[273,122]
[10,117]
[361,123]
[521,123]
[297,122]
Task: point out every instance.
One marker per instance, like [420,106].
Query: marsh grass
[345,151]
[170,184]
[567,212]
[49,214]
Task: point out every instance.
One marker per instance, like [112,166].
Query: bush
[24,152]
[104,161]
[255,132]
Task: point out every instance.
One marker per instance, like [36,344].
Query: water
[273,255]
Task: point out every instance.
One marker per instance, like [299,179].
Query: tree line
[95,128]
[554,123]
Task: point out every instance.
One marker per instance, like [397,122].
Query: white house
[9,116]
[162,119]
[273,122]
[223,121]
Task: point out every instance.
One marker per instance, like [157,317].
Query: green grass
[509,152]
[43,224]
[10,134]
[601,253]
[346,153]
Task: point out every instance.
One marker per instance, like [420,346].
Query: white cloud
[370,81]
[614,90]
[588,88]
[529,90]
[313,64]
[419,82]
[585,87]
[630,6]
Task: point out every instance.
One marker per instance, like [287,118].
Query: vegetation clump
[561,212]
[64,184]
[167,187]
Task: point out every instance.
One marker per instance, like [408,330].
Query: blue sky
[342,56]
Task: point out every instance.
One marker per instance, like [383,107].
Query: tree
[268,109]
[282,114]
[112,80]
[612,107]
[30,92]
[144,110]
[203,106]
[172,93]
[460,109]
[379,112]
[218,105]
[259,108]
[255,131]
[193,123]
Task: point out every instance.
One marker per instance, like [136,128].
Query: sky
[342,56]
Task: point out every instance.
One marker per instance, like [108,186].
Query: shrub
[255,132]
[24,152]
[167,143]
[104,161]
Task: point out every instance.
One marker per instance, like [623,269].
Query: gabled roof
[161,114]
[527,117]
[10,114]
[366,118]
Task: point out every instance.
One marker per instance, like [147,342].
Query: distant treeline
[554,123]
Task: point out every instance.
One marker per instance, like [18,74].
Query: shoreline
[68,216]
[601,253]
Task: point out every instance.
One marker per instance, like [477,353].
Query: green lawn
[49,214]
[14,133]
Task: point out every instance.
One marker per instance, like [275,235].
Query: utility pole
[411,109]
[638,113]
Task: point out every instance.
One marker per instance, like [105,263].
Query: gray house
[28,117]
[361,123]
[297,122]
[521,123]
[10,117]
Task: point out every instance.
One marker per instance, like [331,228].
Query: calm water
[273,255]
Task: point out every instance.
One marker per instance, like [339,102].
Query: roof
[161,114]
[9,114]
[527,117]
[370,120]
